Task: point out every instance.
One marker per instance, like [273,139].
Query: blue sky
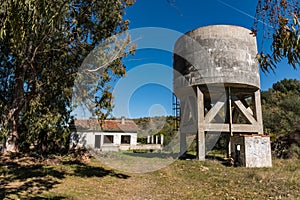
[182,16]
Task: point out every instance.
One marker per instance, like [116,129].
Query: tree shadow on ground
[28,178]
[186,156]
[86,171]
[223,161]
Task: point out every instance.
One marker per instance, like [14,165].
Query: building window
[108,139]
[125,139]
[97,141]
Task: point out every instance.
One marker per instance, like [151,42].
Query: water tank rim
[217,25]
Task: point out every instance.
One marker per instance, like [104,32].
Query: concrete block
[251,151]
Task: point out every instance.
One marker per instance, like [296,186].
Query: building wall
[87,139]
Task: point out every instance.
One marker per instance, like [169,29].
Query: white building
[112,135]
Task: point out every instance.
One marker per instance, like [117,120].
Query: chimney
[122,120]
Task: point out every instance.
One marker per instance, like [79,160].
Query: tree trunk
[16,107]
[11,142]
[3,150]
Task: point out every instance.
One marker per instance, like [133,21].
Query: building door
[97,141]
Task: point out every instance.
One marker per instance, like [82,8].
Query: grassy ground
[26,178]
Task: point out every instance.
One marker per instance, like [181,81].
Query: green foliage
[287,85]
[161,125]
[43,44]
[281,24]
[281,106]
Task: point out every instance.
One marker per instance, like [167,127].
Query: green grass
[183,179]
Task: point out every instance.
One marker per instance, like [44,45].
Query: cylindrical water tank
[215,55]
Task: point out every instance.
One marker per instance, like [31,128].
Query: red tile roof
[107,126]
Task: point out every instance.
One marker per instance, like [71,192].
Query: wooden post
[201,133]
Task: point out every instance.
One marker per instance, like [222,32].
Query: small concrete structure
[158,139]
[251,151]
[114,135]
[216,79]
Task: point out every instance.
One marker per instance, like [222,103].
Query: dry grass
[183,179]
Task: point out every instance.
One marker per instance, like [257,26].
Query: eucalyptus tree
[278,20]
[43,44]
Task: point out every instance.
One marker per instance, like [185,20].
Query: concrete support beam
[183,146]
[257,111]
[243,128]
[240,106]
[213,112]
[201,134]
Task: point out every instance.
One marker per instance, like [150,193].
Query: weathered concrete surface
[251,151]
[217,54]
[215,74]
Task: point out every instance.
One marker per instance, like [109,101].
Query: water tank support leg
[201,134]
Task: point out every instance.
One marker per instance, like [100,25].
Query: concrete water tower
[216,79]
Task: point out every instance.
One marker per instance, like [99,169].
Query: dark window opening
[125,139]
[108,139]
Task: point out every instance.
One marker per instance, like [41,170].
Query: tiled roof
[108,125]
